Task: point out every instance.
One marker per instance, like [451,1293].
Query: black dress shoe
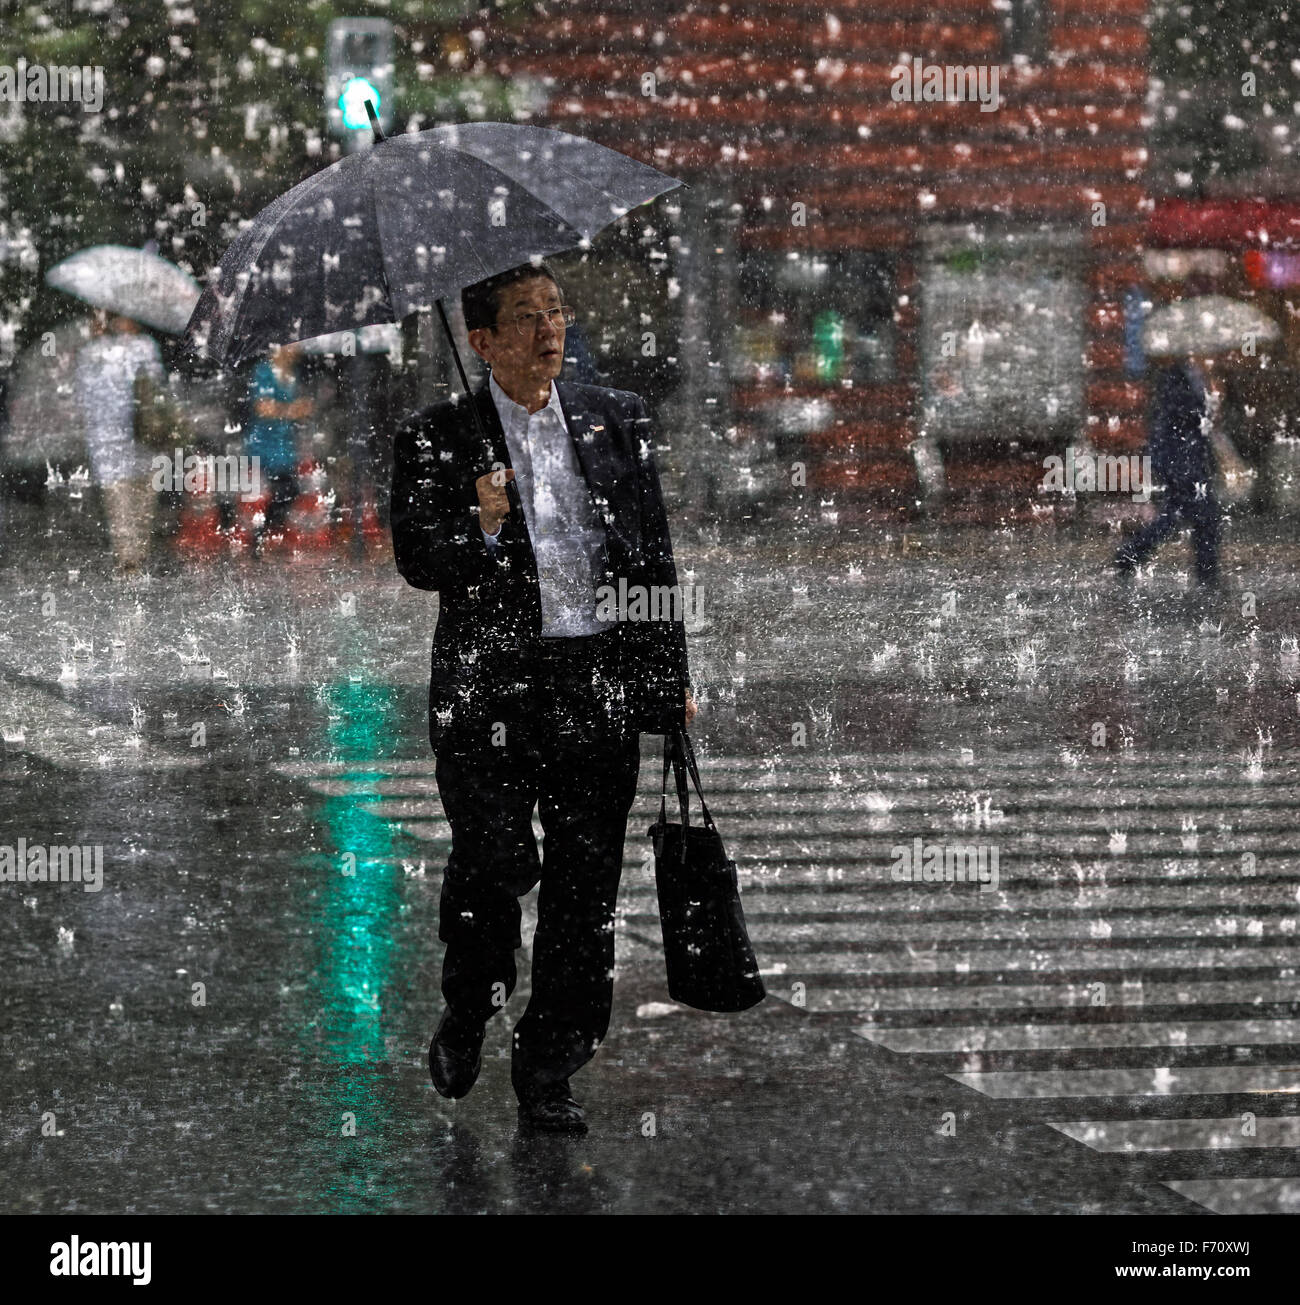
[553,1112]
[454,1065]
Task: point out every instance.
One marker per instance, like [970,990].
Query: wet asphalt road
[924,1048]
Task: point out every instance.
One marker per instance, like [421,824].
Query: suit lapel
[492,424]
[593,442]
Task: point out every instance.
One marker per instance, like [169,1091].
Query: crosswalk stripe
[875,896]
[903,769]
[885,833]
[1015,847]
[1229,1134]
[876,801]
[432,831]
[1082,927]
[1229,914]
[880,998]
[953,961]
[1242,1195]
[760,846]
[1050,1037]
[1159,1081]
[771,873]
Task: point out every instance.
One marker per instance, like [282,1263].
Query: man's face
[528,360]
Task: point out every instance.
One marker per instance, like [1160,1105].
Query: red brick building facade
[954,273]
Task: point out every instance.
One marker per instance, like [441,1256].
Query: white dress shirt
[566,533]
[106,372]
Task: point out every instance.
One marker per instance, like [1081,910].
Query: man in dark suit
[536,697]
[1183,461]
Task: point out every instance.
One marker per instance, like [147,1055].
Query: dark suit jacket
[489,607]
[1180,452]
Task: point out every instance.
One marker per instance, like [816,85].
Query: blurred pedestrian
[273,433]
[107,366]
[1182,459]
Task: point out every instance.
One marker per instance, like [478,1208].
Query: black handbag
[711,964]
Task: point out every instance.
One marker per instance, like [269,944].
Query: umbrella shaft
[464,380]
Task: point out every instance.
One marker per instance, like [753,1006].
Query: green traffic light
[356,91]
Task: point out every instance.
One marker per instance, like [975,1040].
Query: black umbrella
[406,223]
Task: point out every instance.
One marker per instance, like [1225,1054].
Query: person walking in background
[1183,461]
[107,366]
[273,433]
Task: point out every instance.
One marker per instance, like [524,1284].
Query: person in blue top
[273,432]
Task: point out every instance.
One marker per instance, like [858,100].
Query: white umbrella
[1206,324]
[134,283]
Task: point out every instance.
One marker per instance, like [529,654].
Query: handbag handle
[679,775]
[684,741]
[677,746]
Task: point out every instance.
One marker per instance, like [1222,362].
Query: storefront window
[1002,332]
[810,319]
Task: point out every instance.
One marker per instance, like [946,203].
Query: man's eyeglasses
[526,323]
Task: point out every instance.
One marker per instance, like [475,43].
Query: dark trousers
[558,742]
[284,489]
[1180,505]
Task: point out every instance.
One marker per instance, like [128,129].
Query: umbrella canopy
[407,223]
[133,283]
[1206,324]
[386,337]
